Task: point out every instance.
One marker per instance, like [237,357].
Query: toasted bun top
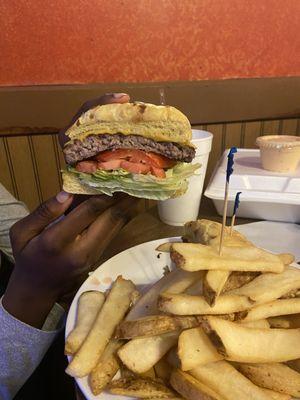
[160,123]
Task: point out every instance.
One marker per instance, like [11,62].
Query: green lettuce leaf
[138,185]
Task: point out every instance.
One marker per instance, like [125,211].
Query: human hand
[99,101]
[52,255]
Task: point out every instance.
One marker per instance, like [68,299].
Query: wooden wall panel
[252,131]
[218,130]
[48,108]
[289,126]
[271,127]
[47,166]
[24,171]
[5,169]
[233,135]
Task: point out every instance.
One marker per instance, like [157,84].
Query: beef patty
[94,144]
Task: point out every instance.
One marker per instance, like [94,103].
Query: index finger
[108,98]
[66,230]
[105,228]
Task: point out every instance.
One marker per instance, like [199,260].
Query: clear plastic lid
[253,181]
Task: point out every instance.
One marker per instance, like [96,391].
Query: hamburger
[141,149]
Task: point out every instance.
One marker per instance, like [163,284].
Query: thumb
[29,227]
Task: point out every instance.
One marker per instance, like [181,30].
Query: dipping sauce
[279,153]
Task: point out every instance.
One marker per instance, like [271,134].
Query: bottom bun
[72,184]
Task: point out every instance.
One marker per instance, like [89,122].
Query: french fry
[139,355]
[195,348]
[194,257]
[294,364]
[225,380]
[279,322]
[291,295]
[273,309]
[163,369]
[237,279]
[213,285]
[269,287]
[141,388]
[176,281]
[294,320]
[276,395]
[277,377]
[287,258]
[261,323]
[172,358]
[89,304]
[126,373]
[208,232]
[185,282]
[112,312]
[154,325]
[250,345]
[201,231]
[285,321]
[165,247]
[148,374]
[190,388]
[183,304]
[106,368]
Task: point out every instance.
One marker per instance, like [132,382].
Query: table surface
[147,226]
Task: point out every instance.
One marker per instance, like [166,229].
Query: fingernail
[63,196]
[119,95]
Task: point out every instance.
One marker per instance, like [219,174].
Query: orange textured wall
[81,41]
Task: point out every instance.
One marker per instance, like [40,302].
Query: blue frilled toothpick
[229,171]
[235,208]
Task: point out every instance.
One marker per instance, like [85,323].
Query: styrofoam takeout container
[265,195]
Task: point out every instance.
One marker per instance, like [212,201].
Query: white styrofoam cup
[186,208]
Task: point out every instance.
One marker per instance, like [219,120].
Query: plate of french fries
[177,319]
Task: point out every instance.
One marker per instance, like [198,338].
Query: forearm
[22,349]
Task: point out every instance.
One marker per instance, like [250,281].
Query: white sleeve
[22,347]
[11,211]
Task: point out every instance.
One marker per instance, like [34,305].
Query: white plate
[142,265]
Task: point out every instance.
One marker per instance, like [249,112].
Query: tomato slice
[132,160]
[161,161]
[86,166]
[158,172]
[136,156]
[110,165]
[135,168]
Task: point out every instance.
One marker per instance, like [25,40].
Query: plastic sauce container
[279,153]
